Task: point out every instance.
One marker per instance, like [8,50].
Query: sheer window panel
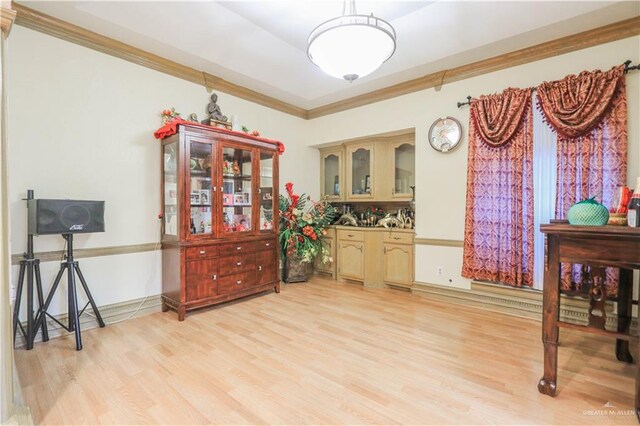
[544,187]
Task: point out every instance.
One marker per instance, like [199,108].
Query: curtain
[589,114]
[498,241]
[544,185]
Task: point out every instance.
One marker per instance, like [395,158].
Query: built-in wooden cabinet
[329,267]
[398,259]
[332,173]
[220,217]
[378,168]
[376,257]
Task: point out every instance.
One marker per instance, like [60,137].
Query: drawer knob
[214,277]
[239,264]
[203,251]
[267,244]
[259,268]
[239,282]
[350,235]
[239,248]
[396,238]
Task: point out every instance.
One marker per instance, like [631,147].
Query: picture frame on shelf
[195,198]
[227,199]
[367,184]
[205,196]
[238,199]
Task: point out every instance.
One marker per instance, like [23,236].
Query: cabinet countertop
[371,229]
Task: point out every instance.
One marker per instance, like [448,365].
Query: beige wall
[6,341]
[81,126]
[441,178]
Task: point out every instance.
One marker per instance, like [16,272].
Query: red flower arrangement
[303,224]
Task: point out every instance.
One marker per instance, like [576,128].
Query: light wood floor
[324,353]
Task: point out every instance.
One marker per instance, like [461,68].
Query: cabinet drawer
[202,279]
[235,264]
[398,237]
[266,244]
[351,235]
[236,282]
[266,267]
[202,252]
[230,249]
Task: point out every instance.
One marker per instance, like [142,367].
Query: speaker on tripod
[66,217]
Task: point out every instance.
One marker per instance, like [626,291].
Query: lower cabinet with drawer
[376,257]
[196,276]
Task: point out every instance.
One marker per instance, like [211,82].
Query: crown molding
[46,24]
[58,28]
[590,38]
[7,16]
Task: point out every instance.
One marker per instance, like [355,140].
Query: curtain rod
[627,67]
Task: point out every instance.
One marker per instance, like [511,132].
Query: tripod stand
[29,266]
[72,267]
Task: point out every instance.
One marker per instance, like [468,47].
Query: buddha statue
[214,111]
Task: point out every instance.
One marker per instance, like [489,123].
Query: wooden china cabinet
[220,210]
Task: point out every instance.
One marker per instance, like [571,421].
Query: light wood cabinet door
[398,264]
[351,260]
[360,171]
[332,173]
[402,169]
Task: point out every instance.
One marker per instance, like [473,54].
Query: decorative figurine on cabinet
[216,118]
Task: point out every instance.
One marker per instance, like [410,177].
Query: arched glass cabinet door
[331,174]
[360,171]
[403,156]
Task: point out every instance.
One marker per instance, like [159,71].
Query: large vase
[294,270]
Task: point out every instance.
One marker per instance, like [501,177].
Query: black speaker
[65,216]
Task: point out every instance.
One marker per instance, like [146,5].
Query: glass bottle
[633,214]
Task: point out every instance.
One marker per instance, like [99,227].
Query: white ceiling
[262,44]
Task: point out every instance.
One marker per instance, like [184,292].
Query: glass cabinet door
[170,182]
[201,193]
[403,157]
[331,180]
[360,167]
[266,193]
[236,190]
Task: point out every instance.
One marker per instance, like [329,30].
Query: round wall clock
[445,134]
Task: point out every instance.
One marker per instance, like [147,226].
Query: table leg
[638,387]
[625,303]
[550,310]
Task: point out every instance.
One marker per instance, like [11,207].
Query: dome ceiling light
[351,46]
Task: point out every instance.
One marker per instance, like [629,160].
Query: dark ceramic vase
[294,271]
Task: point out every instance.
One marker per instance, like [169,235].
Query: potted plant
[303,224]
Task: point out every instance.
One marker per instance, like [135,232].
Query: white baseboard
[110,314]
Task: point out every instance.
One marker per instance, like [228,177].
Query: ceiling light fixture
[351,46]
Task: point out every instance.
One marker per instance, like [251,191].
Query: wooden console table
[597,247]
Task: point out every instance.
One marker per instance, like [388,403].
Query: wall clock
[445,134]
